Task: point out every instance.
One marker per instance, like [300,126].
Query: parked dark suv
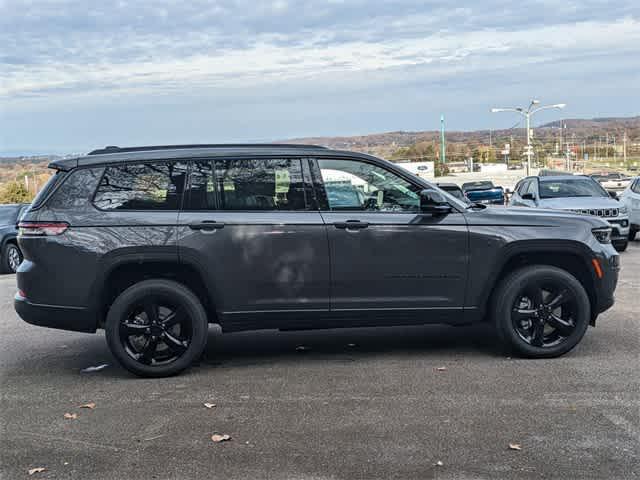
[10,254]
[154,243]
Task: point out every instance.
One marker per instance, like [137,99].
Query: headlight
[623,210]
[603,235]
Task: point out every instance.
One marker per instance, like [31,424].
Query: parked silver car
[630,198]
[577,193]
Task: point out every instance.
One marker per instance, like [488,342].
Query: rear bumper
[64,318]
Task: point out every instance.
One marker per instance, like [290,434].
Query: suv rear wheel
[541,311]
[156,328]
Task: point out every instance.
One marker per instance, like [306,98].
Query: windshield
[571,187]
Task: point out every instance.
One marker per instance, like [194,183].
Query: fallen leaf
[70,416]
[515,446]
[302,348]
[217,438]
[441,369]
[90,405]
[31,471]
[209,405]
[97,368]
[351,344]
[438,464]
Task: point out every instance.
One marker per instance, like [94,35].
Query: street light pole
[527,115]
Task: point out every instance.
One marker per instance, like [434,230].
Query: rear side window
[143,186]
[260,184]
[636,186]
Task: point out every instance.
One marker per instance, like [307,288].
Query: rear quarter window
[77,189]
[42,195]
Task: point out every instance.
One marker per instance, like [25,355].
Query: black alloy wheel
[544,315]
[541,311]
[156,328]
[156,332]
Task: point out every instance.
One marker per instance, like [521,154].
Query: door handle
[207,225]
[351,225]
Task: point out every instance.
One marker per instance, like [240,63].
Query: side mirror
[613,194]
[529,196]
[432,201]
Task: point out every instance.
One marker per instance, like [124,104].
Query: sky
[80,74]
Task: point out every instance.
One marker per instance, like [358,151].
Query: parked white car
[631,199]
[613,181]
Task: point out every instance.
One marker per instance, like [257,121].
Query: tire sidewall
[169,289]
[512,286]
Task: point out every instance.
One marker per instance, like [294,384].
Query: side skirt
[323,319]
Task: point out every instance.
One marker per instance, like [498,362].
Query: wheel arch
[120,272]
[569,255]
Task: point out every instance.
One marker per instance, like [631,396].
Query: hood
[523,216]
[582,203]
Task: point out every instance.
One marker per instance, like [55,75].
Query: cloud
[53,52]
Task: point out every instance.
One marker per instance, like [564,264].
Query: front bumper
[620,228]
[77,319]
[606,286]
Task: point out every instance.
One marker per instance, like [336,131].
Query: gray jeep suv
[152,244]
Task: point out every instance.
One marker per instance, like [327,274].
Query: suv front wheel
[541,311]
[156,328]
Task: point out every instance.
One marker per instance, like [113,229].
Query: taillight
[42,229]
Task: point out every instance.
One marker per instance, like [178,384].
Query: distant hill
[578,130]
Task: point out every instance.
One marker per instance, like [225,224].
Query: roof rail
[116,149]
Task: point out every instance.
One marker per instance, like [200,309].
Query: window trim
[105,166]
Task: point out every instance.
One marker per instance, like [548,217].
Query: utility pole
[443,158]
[527,114]
[624,147]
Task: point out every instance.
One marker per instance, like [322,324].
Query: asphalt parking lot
[405,403]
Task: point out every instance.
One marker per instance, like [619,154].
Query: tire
[632,235]
[621,246]
[178,328]
[11,258]
[517,293]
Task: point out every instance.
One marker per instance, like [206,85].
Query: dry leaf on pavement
[70,416]
[515,446]
[31,471]
[90,405]
[209,405]
[441,369]
[217,438]
[439,463]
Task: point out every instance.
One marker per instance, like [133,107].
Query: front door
[386,256]
[249,224]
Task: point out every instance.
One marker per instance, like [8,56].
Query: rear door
[386,256]
[251,227]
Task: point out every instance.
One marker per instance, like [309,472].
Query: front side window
[143,186]
[353,185]
[260,184]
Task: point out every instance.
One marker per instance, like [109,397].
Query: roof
[447,184]
[114,154]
